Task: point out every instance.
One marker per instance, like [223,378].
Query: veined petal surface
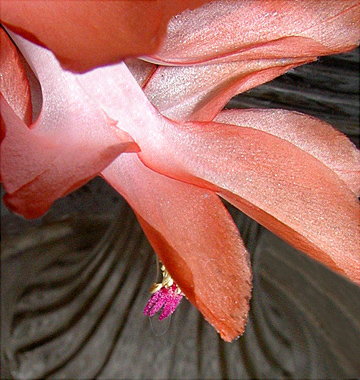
[308,133]
[196,239]
[281,186]
[252,29]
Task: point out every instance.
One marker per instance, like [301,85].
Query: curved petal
[275,182]
[201,92]
[281,186]
[195,238]
[252,29]
[23,154]
[312,135]
[73,137]
[37,169]
[86,34]
[14,85]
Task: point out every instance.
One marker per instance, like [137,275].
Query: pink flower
[292,173]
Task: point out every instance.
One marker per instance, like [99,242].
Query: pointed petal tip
[281,186]
[230,329]
[194,237]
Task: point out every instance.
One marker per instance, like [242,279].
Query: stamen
[165,295]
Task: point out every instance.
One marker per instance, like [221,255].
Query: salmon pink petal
[275,182]
[14,85]
[252,29]
[312,135]
[195,238]
[86,34]
[286,189]
[201,92]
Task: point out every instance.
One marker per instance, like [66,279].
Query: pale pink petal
[141,70]
[72,140]
[195,238]
[24,155]
[36,169]
[253,29]
[201,92]
[312,135]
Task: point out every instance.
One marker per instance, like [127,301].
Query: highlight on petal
[86,34]
[276,183]
[194,237]
[23,154]
[14,85]
[312,135]
[141,70]
[252,29]
[71,142]
[281,186]
[176,217]
[38,169]
[201,92]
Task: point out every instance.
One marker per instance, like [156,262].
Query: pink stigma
[166,298]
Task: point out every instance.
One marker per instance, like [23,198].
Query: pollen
[166,296]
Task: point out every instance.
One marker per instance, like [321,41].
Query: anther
[166,295]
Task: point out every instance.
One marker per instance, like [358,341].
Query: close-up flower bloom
[85,93]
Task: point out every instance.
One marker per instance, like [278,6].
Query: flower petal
[37,169]
[86,34]
[312,135]
[201,92]
[23,154]
[252,29]
[73,139]
[275,182]
[195,238]
[14,85]
[281,186]
[141,70]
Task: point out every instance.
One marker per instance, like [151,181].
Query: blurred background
[74,282]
